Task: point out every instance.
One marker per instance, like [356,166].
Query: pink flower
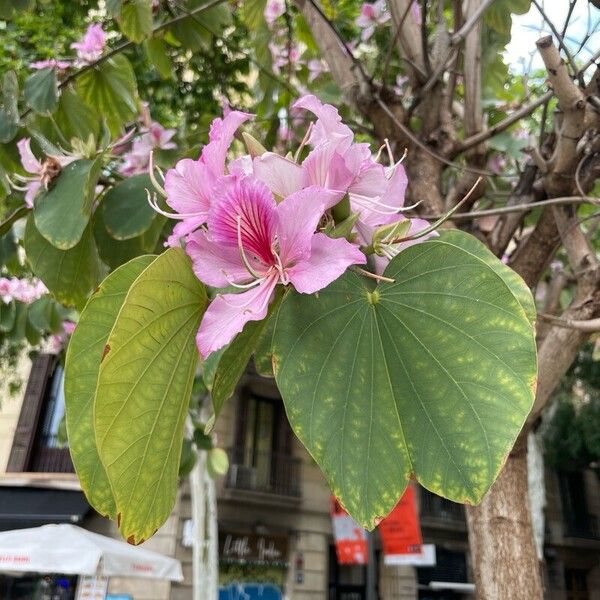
[371,15]
[415,10]
[50,63]
[21,290]
[189,185]
[254,243]
[273,10]
[136,161]
[280,58]
[92,44]
[41,174]
[401,81]
[68,327]
[316,68]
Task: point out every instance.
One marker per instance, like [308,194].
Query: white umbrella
[71,550]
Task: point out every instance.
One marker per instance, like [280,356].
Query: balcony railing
[265,472]
[583,526]
[49,456]
[437,507]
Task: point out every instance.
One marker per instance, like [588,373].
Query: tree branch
[473,19]
[589,326]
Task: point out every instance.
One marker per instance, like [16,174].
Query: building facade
[275,531]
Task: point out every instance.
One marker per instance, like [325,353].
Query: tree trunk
[501,535]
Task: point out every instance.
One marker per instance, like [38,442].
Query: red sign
[400,531]
[350,538]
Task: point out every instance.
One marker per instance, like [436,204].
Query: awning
[71,550]
[29,507]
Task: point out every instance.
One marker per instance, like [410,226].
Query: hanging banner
[351,544]
[400,531]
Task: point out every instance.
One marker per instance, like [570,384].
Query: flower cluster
[89,49]
[22,290]
[259,221]
[371,16]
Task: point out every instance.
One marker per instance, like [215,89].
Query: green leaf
[113,7]
[135,19]
[111,90]
[127,213]
[188,459]
[69,274]
[9,113]
[8,222]
[7,316]
[9,7]
[217,462]
[75,118]
[144,390]
[41,91]
[81,376]
[40,313]
[156,51]
[63,212]
[431,376]
[197,31]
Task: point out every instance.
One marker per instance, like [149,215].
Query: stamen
[304,141]
[370,204]
[159,188]
[373,275]
[179,216]
[241,248]
[244,286]
[389,150]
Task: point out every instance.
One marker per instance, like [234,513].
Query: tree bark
[501,537]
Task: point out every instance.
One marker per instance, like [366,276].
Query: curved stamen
[241,249]
[159,188]
[280,269]
[180,216]
[244,286]
[374,205]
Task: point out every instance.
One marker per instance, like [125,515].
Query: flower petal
[30,163]
[326,168]
[33,187]
[248,200]
[189,186]
[228,313]
[329,126]
[214,264]
[299,215]
[220,138]
[182,229]
[328,260]
[282,176]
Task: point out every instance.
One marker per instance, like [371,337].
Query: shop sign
[252,548]
[400,531]
[92,587]
[351,545]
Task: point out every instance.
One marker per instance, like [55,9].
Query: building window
[261,459]
[576,518]
[346,582]
[436,507]
[38,445]
[576,584]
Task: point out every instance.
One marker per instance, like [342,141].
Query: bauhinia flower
[137,160]
[43,172]
[255,244]
[22,290]
[273,10]
[371,15]
[316,67]
[50,63]
[91,46]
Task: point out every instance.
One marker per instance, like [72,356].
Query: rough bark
[501,537]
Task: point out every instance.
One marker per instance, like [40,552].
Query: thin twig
[390,51]
[589,326]
[462,33]
[504,210]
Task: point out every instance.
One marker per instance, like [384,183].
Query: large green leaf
[7,316]
[156,51]
[144,389]
[81,376]
[63,212]
[74,117]
[9,113]
[41,91]
[127,213]
[135,19]
[432,376]
[69,274]
[111,90]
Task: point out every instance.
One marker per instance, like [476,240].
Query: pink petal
[33,187]
[328,260]
[30,163]
[228,313]
[329,126]
[182,229]
[299,215]
[282,176]
[220,138]
[214,264]
[326,168]
[241,166]
[189,186]
[248,200]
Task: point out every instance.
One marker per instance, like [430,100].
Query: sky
[530,27]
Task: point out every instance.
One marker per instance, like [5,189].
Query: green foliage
[143,392]
[9,112]
[63,213]
[81,377]
[41,91]
[69,274]
[392,367]
[135,19]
